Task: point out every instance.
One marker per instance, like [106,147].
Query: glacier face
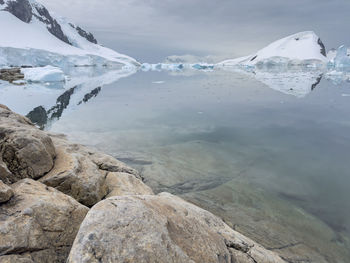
[54,41]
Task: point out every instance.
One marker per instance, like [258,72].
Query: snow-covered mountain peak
[27,10]
[44,39]
[294,49]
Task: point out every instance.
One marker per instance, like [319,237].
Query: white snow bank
[43,74]
[295,49]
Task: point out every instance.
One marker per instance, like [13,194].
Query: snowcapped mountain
[31,35]
[297,49]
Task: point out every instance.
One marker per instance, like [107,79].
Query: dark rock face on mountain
[87,35]
[25,11]
[90,37]
[52,26]
[20,9]
[323,48]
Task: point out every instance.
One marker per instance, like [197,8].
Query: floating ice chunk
[203,66]
[146,67]
[43,74]
[342,59]
[161,66]
[337,77]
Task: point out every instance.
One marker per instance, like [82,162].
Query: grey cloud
[225,27]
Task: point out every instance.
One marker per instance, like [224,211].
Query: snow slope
[295,49]
[31,43]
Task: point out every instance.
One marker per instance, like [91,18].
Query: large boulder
[81,172]
[25,151]
[161,228]
[38,224]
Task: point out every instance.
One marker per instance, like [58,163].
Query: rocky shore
[11,74]
[63,202]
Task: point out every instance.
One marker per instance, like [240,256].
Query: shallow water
[275,166]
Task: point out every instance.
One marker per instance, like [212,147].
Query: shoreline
[49,176]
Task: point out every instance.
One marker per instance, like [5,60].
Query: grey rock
[161,228]
[5,174]
[75,174]
[126,184]
[11,74]
[38,224]
[25,151]
[81,172]
[5,192]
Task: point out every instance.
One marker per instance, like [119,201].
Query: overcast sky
[149,30]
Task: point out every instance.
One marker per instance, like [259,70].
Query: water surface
[269,153]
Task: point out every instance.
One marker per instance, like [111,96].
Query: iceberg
[43,74]
[302,49]
[342,58]
[337,77]
[176,67]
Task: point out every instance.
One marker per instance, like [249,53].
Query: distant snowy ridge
[301,48]
[30,35]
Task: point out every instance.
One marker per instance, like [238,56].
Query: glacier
[31,36]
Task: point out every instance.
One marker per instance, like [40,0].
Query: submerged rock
[161,228]
[38,224]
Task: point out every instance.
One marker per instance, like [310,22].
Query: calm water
[275,166]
